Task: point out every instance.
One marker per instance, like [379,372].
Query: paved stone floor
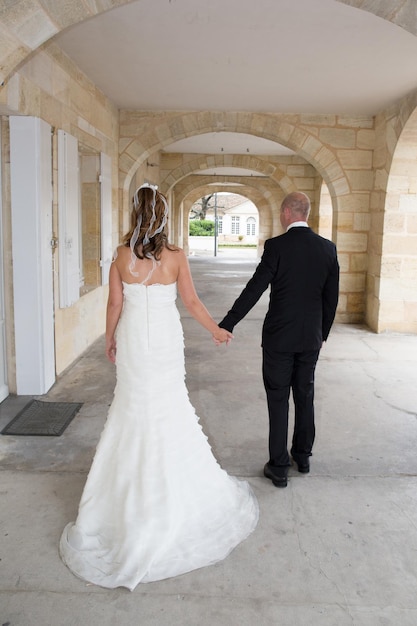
[338,547]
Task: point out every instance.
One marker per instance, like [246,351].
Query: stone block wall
[50,86]
[330,148]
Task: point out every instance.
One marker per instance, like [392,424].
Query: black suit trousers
[282,372]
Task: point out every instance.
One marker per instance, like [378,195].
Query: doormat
[47,419]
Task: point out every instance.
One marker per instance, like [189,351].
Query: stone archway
[142,135]
[259,165]
[262,192]
[271,180]
[398,270]
[185,200]
[324,217]
[388,302]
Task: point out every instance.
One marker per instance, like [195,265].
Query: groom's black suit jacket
[303,271]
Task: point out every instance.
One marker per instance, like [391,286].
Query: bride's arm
[193,303]
[114,308]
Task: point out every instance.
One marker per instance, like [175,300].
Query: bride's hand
[221,335]
[111,349]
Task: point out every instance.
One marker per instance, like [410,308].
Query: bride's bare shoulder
[120,250]
[121,253]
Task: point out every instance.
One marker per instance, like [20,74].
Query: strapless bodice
[156,294]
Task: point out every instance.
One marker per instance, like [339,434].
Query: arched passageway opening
[223,222]
[325,213]
[398,275]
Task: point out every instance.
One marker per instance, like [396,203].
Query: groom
[303,271]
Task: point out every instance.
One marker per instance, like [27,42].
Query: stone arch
[152,134]
[321,214]
[271,192]
[263,166]
[396,138]
[271,172]
[206,161]
[325,214]
[265,194]
[203,190]
[397,293]
[142,135]
[248,191]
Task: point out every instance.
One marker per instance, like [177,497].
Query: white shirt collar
[297,224]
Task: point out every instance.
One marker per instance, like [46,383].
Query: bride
[156,503]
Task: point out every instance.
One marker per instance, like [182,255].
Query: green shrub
[201,228]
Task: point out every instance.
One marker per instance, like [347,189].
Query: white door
[31,195]
[4,390]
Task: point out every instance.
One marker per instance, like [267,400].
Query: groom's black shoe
[278,481]
[303,466]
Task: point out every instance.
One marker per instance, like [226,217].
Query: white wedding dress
[156,503]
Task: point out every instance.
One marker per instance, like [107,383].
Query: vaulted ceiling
[289,56]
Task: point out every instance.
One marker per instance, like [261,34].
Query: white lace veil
[149,234]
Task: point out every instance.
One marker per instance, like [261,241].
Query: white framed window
[250,226]
[106,217]
[220,225]
[85,218]
[235,225]
[68,217]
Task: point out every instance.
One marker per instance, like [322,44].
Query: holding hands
[221,335]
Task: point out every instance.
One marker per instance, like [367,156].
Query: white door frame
[4,389]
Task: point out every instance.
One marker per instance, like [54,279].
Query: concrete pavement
[337,547]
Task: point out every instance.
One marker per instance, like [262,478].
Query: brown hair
[143,208]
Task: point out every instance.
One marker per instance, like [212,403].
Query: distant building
[237,219]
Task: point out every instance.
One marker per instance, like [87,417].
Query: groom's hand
[221,335]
